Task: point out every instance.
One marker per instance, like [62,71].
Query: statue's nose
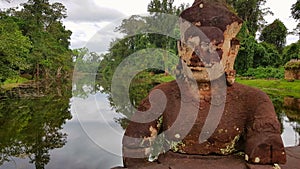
[196,61]
[203,57]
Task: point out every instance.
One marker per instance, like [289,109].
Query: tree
[137,40]
[245,57]
[86,61]
[138,29]
[14,48]
[295,11]
[253,54]
[291,51]
[164,42]
[275,33]
[271,57]
[252,12]
[42,23]
[165,6]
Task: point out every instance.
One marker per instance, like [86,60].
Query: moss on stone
[292,65]
[176,146]
[230,147]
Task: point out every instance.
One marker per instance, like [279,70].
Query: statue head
[208,45]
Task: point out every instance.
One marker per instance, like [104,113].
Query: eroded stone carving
[246,121]
[292,70]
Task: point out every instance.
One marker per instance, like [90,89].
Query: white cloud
[81,32]
[99,34]
[101,39]
[89,11]
[87,17]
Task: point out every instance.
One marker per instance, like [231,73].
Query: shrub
[293,64]
[265,73]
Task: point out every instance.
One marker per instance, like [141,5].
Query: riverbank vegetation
[276,87]
[35,47]
[260,63]
[264,58]
[34,43]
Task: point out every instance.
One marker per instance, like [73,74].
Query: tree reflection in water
[30,127]
[288,109]
[292,110]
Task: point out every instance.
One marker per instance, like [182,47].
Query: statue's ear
[230,50]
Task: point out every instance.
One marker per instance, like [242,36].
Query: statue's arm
[139,136]
[263,138]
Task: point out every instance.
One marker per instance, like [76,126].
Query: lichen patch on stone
[257,160]
[246,157]
[230,147]
[276,166]
[201,5]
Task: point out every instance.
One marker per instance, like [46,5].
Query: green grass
[274,87]
[13,82]
[162,78]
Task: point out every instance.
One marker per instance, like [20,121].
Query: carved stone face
[208,46]
[200,50]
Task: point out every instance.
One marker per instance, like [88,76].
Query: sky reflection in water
[94,138]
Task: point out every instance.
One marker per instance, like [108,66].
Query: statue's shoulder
[170,90]
[167,87]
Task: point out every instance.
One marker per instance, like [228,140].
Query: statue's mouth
[201,66]
[200,62]
[197,69]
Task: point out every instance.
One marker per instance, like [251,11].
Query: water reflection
[138,90]
[34,132]
[291,132]
[287,109]
[30,125]
[291,108]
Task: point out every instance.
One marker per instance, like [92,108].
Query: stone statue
[205,112]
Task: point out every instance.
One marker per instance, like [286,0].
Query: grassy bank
[274,87]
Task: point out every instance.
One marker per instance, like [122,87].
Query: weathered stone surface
[292,74]
[198,114]
[248,124]
[180,161]
[293,158]
[210,13]
[220,26]
[292,70]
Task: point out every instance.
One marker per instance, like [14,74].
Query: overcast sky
[86,17]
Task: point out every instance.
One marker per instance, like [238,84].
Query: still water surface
[82,131]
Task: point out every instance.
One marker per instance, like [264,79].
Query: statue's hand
[265,148]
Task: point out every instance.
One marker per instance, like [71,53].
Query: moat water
[83,130]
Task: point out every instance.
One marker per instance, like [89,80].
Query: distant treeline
[267,52]
[35,44]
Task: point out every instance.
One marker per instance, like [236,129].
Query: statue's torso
[183,136]
[243,118]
